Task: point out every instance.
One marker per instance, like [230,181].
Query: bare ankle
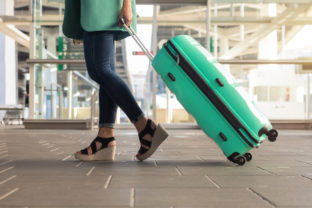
[140,124]
[112,143]
[105,132]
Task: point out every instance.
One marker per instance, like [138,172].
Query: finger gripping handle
[123,22]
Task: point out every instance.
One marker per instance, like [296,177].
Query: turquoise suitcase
[220,106]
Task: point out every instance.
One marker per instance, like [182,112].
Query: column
[267,48]
[224,45]
[215,41]
[8,60]
[50,76]
[242,26]
[154,49]
[208,24]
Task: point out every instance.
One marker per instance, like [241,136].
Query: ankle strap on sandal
[103,141]
[147,130]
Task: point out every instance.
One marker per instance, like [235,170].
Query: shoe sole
[159,136]
[106,154]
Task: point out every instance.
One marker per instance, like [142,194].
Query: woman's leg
[107,115]
[100,56]
[99,50]
[108,109]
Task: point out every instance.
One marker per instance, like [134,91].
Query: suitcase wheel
[248,156]
[240,160]
[272,135]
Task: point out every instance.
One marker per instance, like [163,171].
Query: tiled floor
[37,169]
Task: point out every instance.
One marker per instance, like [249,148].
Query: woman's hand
[125,13]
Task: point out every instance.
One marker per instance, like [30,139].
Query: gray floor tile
[154,181]
[262,181]
[287,196]
[227,169]
[290,171]
[199,197]
[134,168]
[189,170]
[68,196]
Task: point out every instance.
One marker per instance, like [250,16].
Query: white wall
[294,107]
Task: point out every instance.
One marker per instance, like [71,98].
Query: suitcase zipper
[210,94]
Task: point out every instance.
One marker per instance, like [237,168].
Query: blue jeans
[99,51]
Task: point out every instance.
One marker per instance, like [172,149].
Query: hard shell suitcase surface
[207,91]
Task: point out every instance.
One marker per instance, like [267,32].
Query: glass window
[278,93]
[261,93]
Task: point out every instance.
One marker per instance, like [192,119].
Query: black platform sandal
[106,152]
[158,136]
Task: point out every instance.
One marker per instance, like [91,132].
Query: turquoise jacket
[94,15]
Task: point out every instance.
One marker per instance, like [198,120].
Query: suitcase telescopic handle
[137,40]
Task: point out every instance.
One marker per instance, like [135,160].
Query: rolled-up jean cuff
[107,125]
[138,118]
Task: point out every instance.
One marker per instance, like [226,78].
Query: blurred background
[265,45]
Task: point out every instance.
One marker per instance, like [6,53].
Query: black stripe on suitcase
[210,94]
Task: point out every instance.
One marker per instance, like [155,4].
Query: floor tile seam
[213,182]
[5,162]
[8,193]
[178,170]
[108,182]
[306,177]
[67,157]
[90,171]
[79,164]
[132,197]
[7,169]
[263,198]
[265,170]
[57,150]
[59,153]
[8,179]
[304,162]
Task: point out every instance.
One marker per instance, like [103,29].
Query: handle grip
[122,21]
[137,39]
